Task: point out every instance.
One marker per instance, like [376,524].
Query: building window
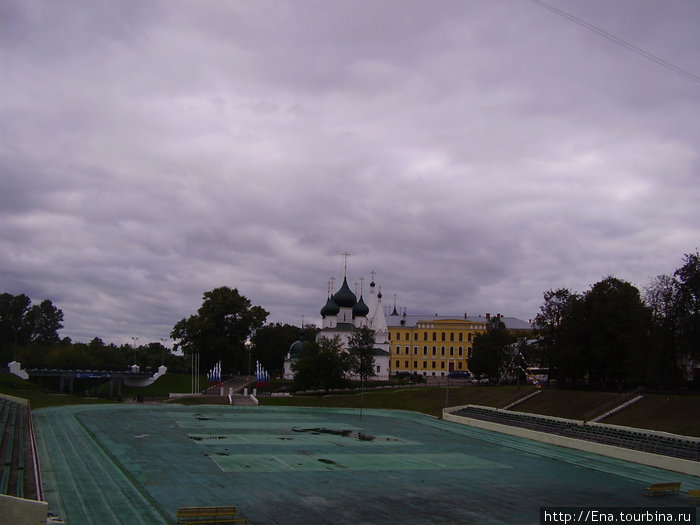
[469,338]
[442,336]
[442,364]
[459,350]
[459,365]
[433,364]
[379,369]
[408,350]
[415,336]
[434,336]
[434,351]
[452,336]
[398,364]
[415,364]
[442,351]
[425,350]
[425,336]
[452,350]
[406,363]
[460,337]
[425,364]
[415,350]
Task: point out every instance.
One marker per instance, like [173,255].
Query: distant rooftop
[512,323]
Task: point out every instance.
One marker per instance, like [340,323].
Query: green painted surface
[132,464]
[360,462]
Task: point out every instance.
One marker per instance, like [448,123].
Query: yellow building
[436,345]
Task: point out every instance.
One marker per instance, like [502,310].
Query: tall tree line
[613,333]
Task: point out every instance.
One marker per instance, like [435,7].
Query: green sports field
[131,464]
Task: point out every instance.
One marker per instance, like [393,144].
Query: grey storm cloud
[474,154]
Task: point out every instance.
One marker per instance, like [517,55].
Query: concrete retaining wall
[20,511]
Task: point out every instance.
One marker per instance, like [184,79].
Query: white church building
[344,313]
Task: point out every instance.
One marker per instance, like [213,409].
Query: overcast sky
[474,153]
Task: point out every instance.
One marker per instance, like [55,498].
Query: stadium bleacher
[19,473]
[605,434]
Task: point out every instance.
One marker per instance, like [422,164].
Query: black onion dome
[360,309]
[344,297]
[330,308]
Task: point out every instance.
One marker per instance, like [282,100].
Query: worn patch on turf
[312,439]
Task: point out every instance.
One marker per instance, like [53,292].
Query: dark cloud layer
[474,154]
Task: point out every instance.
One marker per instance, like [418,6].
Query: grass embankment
[425,399]
[676,413]
[679,414]
[12,385]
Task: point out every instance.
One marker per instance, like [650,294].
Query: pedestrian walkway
[107,464]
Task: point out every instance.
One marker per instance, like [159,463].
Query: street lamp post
[248,344]
[134,339]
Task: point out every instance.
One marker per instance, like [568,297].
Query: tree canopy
[361,349]
[491,349]
[609,334]
[22,324]
[220,329]
[322,365]
[272,341]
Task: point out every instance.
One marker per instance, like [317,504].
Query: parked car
[408,377]
[460,374]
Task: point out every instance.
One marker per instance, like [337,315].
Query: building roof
[295,350]
[360,309]
[409,321]
[344,297]
[340,327]
[330,308]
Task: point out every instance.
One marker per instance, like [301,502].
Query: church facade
[342,315]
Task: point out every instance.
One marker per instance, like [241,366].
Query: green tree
[272,341]
[674,301]
[220,329]
[322,365]
[604,336]
[617,321]
[665,349]
[13,309]
[550,321]
[22,324]
[491,352]
[361,349]
[688,283]
[44,321]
